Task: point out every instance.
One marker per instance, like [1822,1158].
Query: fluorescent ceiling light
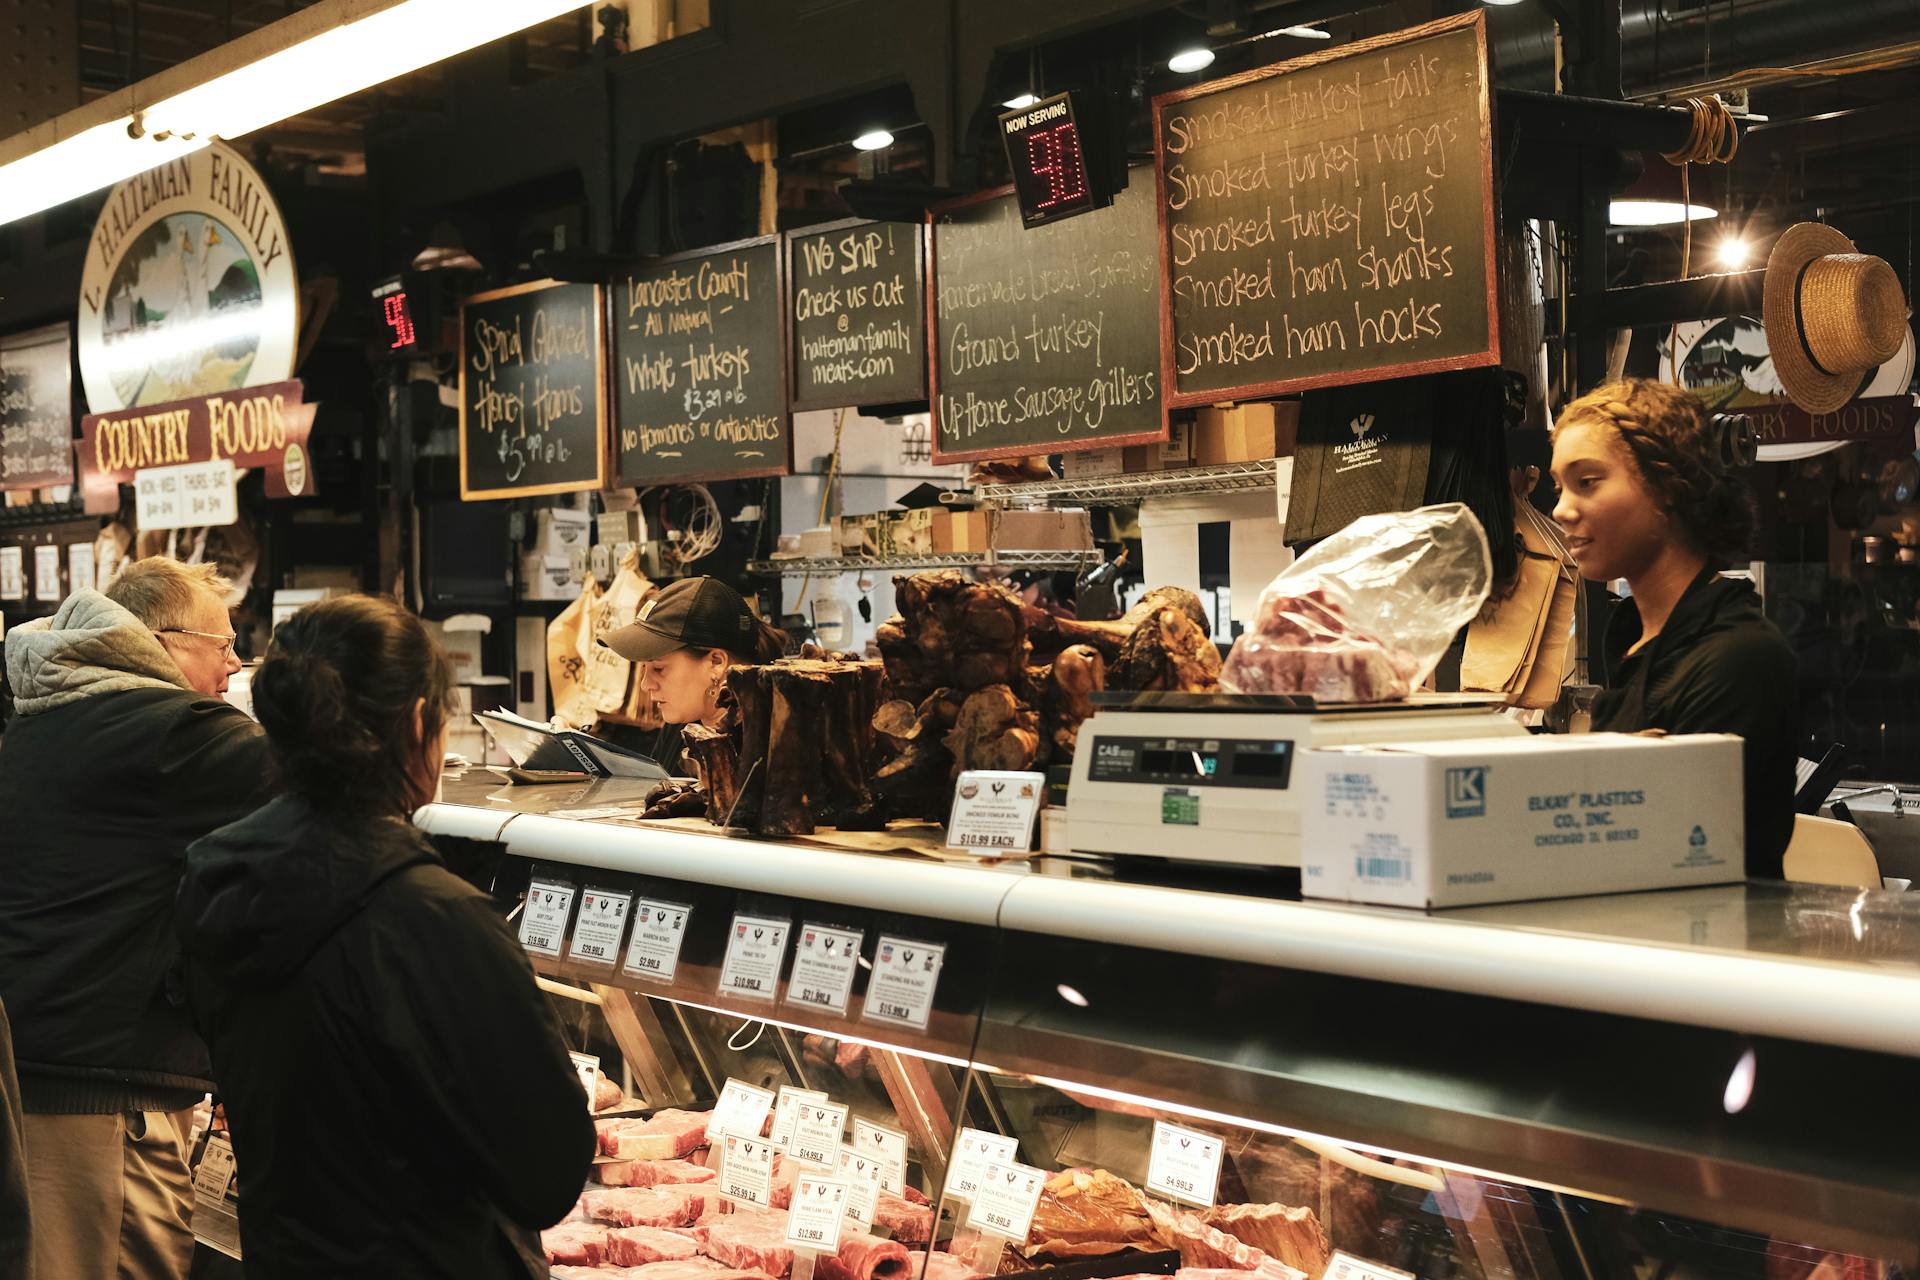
[1305,33]
[1188,60]
[91,159]
[1499,2]
[1016,104]
[1655,213]
[873,140]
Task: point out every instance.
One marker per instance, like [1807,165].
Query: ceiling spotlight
[1305,33]
[873,140]
[1501,3]
[1198,58]
[1023,101]
[1071,995]
[1656,213]
[1733,253]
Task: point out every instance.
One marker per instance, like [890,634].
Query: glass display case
[1205,1076]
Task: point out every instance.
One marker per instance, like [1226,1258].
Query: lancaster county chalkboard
[1330,220]
[1043,341]
[859,322]
[700,373]
[533,404]
[36,409]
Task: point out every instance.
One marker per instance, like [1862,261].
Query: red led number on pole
[1055,154]
[400,321]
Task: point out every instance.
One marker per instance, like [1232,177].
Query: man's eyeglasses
[226,642]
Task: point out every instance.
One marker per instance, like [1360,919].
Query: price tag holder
[1184,1164]
[755,951]
[543,922]
[46,573]
[587,1067]
[659,927]
[602,924]
[824,964]
[746,1170]
[819,1208]
[994,812]
[971,1155]
[13,573]
[862,1175]
[817,1130]
[905,975]
[215,1172]
[785,1103]
[1344,1266]
[888,1147]
[1008,1195]
[741,1110]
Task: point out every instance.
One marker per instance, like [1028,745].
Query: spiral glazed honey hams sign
[189,287]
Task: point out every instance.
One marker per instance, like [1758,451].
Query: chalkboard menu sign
[533,403]
[1331,219]
[1043,341]
[859,334]
[36,409]
[700,370]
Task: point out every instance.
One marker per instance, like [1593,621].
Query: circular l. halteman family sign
[189,287]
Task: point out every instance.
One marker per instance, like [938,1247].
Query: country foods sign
[189,286]
[260,427]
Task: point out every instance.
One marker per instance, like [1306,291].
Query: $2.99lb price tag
[746,1170]
[1006,1199]
[994,811]
[819,1207]
[905,975]
[1184,1164]
[543,922]
[658,930]
[755,950]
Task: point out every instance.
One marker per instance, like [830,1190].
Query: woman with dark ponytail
[401,1102]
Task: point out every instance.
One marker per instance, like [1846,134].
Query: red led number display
[1048,162]
[1054,154]
[399,320]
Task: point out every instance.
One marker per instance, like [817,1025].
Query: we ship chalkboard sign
[533,404]
[1330,220]
[36,409]
[858,314]
[700,371]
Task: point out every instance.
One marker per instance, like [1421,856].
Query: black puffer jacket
[401,1102]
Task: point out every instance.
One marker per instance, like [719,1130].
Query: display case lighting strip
[838,1033]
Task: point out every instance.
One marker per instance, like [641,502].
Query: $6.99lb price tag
[1184,1164]
[1006,1199]
[819,1207]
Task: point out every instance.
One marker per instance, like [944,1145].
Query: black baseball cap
[693,613]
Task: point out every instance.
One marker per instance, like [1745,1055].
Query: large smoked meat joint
[1259,638]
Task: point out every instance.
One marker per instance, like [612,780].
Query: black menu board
[1043,341]
[859,334]
[533,404]
[36,409]
[700,380]
[1331,219]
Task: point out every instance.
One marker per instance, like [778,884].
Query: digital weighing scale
[1205,777]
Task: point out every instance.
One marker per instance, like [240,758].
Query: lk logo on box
[1467,792]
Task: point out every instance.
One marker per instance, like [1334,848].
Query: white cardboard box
[1477,820]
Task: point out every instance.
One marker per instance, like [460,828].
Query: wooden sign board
[857,314]
[533,401]
[1043,341]
[1331,219]
[36,408]
[700,370]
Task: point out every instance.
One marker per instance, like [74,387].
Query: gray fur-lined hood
[90,647]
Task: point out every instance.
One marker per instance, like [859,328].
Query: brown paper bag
[1520,648]
[567,636]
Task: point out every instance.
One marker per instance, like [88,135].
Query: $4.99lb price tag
[543,922]
[905,976]
[824,963]
[755,950]
[819,1207]
[1004,1203]
[994,811]
[1184,1164]
[746,1170]
[658,930]
[602,923]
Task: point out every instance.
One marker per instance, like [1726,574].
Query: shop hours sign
[1049,167]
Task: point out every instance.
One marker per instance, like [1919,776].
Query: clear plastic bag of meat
[1366,615]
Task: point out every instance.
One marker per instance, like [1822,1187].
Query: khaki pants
[110,1196]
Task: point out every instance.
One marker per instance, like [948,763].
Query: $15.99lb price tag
[1007,1196]
[1184,1164]
[824,963]
[746,1170]
[905,975]
[658,930]
[543,922]
[755,950]
[994,811]
[602,923]
[741,1110]
[819,1207]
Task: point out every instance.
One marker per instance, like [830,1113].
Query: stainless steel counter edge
[1806,1000]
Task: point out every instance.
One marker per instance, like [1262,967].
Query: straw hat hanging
[1833,315]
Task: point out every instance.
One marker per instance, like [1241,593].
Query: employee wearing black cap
[684,641]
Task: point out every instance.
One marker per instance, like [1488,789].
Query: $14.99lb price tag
[994,811]
[785,1104]
[746,1170]
[1007,1196]
[543,922]
[1184,1164]
[824,962]
[817,1129]
[602,923]
[905,975]
[755,950]
[658,930]
[819,1207]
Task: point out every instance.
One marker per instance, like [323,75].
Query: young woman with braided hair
[1644,496]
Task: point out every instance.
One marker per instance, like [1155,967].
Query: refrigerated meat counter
[1709,1082]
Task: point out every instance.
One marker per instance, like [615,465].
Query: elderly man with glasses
[120,754]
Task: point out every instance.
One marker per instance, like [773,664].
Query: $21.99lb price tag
[1184,1164]
[824,964]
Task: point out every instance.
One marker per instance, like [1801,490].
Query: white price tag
[1184,1164]
[543,923]
[905,975]
[824,963]
[13,573]
[742,1110]
[889,1147]
[46,573]
[658,930]
[1008,1195]
[602,923]
[587,1067]
[994,811]
[80,566]
[819,1207]
[785,1103]
[862,1174]
[746,1170]
[971,1155]
[193,495]
[754,951]
[1344,1266]
[215,1173]
[817,1130]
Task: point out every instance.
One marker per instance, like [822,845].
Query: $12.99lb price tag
[543,922]
[905,975]
[1006,1198]
[755,950]
[819,1207]
[1184,1164]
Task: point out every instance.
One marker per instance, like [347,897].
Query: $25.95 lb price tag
[1184,1164]
[1007,1196]
[819,1207]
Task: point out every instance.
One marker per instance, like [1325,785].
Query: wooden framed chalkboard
[700,366]
[1043,341]
[533,391]
[856,314]
[36,408]
[1331,219]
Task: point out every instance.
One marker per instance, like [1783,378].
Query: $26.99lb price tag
[1184,1164]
